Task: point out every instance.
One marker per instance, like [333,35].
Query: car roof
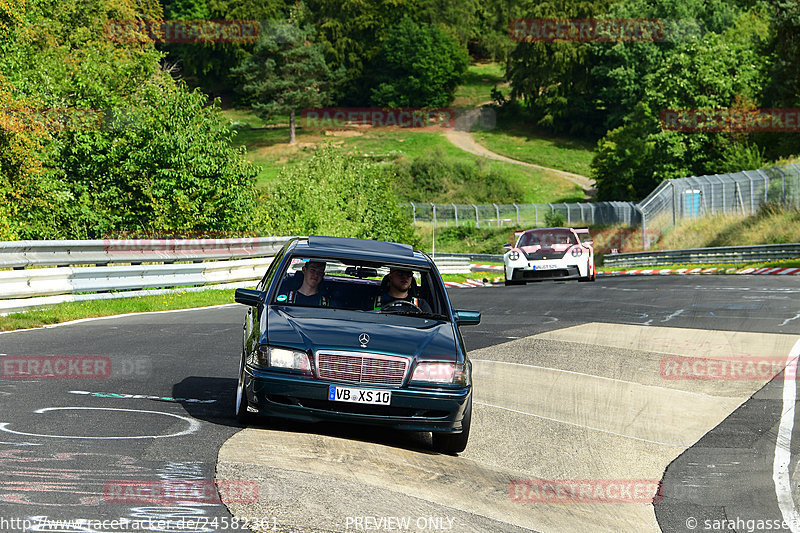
[360,250]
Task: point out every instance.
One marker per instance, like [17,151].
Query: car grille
[540,255]
[362,368]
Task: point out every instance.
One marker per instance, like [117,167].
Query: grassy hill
[267,144]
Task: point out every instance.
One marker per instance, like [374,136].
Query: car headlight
[440,372]
[284,358]
[577,252]
[513,255]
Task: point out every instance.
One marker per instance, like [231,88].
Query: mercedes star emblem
[363,339]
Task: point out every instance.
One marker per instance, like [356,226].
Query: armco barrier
[217,263]
[697,256]
[24,254]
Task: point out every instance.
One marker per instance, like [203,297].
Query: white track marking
[194,425]
[783,444]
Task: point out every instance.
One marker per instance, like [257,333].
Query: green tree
[165,163]
[165,160]
[336,194]
[208,65]
[554,78]
[287,72]
[418,66]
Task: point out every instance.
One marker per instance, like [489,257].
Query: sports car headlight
[440,372]
[283,358]
[577,252]
[513,255]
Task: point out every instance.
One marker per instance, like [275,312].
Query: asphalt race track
[598,407]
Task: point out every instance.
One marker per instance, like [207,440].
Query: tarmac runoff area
[591,406]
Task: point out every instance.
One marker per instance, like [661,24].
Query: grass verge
[514,138]
[65,312]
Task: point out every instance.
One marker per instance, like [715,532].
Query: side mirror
[468,318]
[590,242]
[507,246]
[250,297]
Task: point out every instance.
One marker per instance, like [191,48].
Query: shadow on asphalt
[221,413]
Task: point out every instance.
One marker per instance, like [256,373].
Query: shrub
[339,195]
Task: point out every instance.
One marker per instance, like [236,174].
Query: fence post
[433,232]
[766,185]
[674,201]
[644,232]
[569,218]
[497,212]
[455,210]
[414,212]
[724,205]
[517,208]
[783,185]
[477,223]
[536,214]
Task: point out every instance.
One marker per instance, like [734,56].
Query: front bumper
[565,272]
[293,397]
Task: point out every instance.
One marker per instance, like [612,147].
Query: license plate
[545,267]
[348,394]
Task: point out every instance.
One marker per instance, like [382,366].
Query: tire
[241,413]
[452,443]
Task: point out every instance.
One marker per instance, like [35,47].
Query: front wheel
[242,415]
[452,443]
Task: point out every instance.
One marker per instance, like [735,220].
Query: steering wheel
[399,304]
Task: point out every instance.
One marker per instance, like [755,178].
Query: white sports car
[550,254]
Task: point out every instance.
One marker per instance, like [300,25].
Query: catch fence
[740,193]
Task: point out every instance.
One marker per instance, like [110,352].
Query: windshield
[364,286]
[547,238]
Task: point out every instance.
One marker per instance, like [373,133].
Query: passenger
[399,285]
[308,293]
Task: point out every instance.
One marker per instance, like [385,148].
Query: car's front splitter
[566,272]
[296,398]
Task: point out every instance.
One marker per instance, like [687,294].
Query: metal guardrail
[695,256]
[68,280]
[24,254]
[183,263]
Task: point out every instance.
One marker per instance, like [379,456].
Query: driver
[399,286]
[308,293]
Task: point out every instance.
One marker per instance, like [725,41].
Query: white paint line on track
[583,426]
[194,425]
[783,444]
[795,317]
